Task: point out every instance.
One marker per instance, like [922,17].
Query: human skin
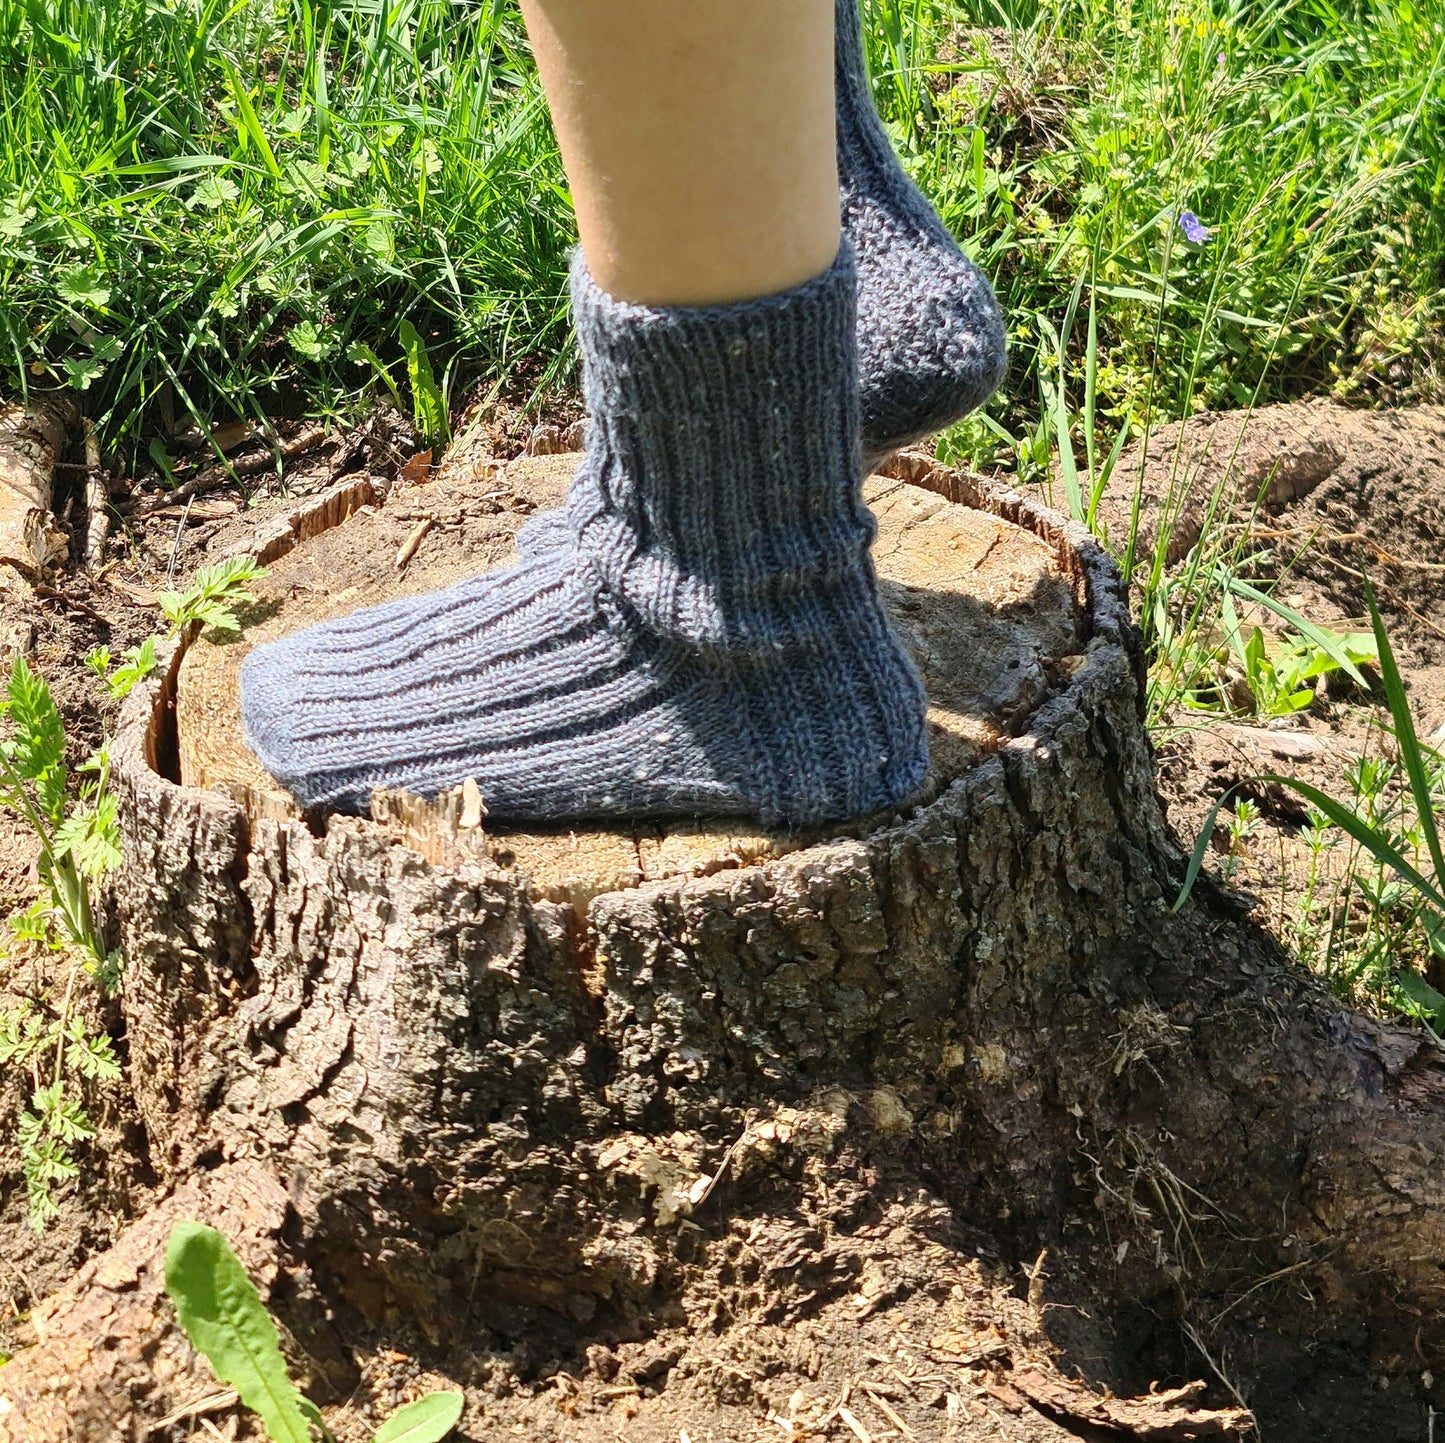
[699,138]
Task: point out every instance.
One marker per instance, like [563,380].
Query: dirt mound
[1326,492]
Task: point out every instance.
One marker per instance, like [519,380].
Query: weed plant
[222,1314]
[76,826]
[1187,205]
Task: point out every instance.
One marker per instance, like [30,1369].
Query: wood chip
[50,593]
[202,510]
[333,507]
[1006,1394]
[964,1350]
[1166,1417]
[472,809]
[884,1407]
[230,435]
[1290,746]
[409,546]
[97,502]
[211,1403]
[1036,1282]
[30,440]
[836,1410]
[138,595]
[854,1426]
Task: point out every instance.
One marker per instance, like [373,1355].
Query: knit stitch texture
[930,337]
[707,640]
[931,342]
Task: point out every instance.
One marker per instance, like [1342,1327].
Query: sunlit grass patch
[1244,203]
[202,206]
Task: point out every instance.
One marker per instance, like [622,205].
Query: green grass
[1309,139]
[204,207]
[206,210]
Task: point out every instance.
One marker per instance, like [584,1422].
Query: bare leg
[699,138]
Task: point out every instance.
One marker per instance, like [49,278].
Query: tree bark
[431,1049]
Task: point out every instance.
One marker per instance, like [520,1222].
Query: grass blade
[1201,846]
[1411,755]
[251,122]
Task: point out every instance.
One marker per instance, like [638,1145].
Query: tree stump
[438,1027]
[497,1071]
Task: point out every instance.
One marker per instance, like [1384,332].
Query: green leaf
[174,608]
[223,1316]
[212,192]
[304,178]
[137,664]
[379,239]
[429,407]
[34,925]
[84,286]
[217,614]
[351,165]
[1434,926]
[37,753]
[306,339]
[93,1057]
[209,597]
[428,1420]
[1329,642]
[91,837]
[14,218]
[80,373]
[1422,994]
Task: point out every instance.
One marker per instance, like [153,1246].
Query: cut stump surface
[992,612]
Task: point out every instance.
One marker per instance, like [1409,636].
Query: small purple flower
[1195,231]
[1219,60]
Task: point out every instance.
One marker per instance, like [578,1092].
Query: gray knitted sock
[709,638]
[931,343]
